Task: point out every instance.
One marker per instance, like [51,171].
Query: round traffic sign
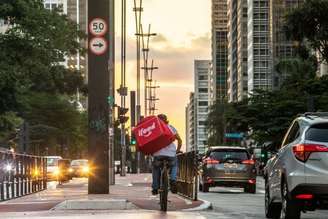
[98,45]
[98,27]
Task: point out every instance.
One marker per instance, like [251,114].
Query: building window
[202,103]
[203,90]
[202,123]
[202,77]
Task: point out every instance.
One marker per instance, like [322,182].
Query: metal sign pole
[100,70]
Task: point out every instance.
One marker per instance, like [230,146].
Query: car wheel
[272,210]
[250,189]
[289,209]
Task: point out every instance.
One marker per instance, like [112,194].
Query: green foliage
[309,24]
[54,121]
[34,83]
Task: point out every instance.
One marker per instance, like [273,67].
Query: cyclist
[169,151]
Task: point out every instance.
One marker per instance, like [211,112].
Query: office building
[237,50]
[53,4]
[190,124]
[220,47]
[259,58]
[201,98]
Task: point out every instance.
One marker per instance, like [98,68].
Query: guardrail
[187,177]
[21,175]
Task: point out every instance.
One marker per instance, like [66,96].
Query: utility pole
[123,91]
[100,83]
[145,51]
[137,12]
[133,124]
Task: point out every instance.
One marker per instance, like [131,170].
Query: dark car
[228,166]
[79,168]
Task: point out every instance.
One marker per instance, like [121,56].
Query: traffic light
[122,117]
[133,140]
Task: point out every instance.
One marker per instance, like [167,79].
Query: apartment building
[190,124]
[237,50]
[220,47]
[259,56]
[201,99]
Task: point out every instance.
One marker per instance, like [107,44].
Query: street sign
[234,135]
[98,27]
[98,45]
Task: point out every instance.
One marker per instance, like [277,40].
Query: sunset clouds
[183,28]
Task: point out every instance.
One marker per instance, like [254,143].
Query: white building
[190,124]
[259,58]
[202,99]
[53,4]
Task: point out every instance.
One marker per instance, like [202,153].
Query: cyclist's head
[163,117]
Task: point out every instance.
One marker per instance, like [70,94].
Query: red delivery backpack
[152,134]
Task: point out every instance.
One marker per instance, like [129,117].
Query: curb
[203,207]
[96,204]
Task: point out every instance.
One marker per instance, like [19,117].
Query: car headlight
[36,172]
[56,172]
[70,170]
[85,169]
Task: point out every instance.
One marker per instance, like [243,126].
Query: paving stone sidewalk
[133,188]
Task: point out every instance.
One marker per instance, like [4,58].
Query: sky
[183,35]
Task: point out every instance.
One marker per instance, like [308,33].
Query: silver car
[296,178]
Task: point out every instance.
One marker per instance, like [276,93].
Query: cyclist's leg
[173,175]
[174,170]
[156,172]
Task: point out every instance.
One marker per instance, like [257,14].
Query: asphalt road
[234,203]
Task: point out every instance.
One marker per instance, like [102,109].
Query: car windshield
[52,162]
[224,155]
[79,162]
[318,133]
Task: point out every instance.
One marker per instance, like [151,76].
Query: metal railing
[21,175]
[187,177]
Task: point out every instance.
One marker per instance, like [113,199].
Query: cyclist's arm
[178,138]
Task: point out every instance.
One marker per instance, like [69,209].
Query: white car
[52,167]
[296,178]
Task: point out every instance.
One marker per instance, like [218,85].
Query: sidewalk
[130,192]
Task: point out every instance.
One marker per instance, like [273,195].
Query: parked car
[52,167]
[80,168]
[296,178]
[228,166]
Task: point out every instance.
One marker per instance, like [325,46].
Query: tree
[32,55]
[308,24]
[55,123]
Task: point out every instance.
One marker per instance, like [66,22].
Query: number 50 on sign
[98,27]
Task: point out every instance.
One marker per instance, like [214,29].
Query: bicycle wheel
[164,189]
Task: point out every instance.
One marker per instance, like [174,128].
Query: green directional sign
[234,135]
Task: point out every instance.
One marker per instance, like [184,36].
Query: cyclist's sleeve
[173,130]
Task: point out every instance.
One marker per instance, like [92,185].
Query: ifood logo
[146,132]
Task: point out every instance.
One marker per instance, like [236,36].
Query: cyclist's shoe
[173,186]
[154,192]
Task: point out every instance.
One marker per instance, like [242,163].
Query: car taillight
[249,162]
[304,196]
[211,161]
[302,152]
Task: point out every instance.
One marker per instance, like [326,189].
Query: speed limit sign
[98,27]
